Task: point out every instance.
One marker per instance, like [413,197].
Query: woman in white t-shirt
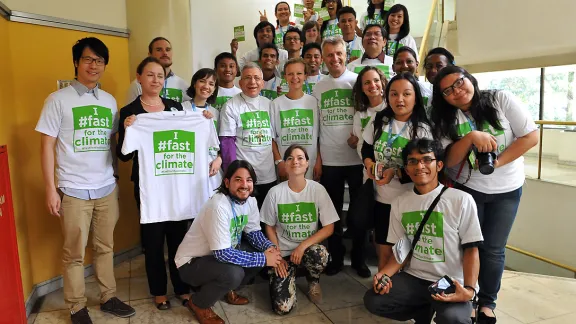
[398,26]
[283,13]
[403,119]
[493,123]
[375,14]
[330,27]
[299,215]
[368,97]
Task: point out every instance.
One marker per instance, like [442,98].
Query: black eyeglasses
[425,160]
[90,59]
[456,85]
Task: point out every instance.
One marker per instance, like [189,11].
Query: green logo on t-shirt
[236,227]
[384,68]
[378,20]
[220,101]
[172,94]
[297,126]
[299,220]
[430,248]
[464,128]
[393,46]
[257,124]
[92,128]
[394,152]
[270,94]
[364,122]
[174,152]
[331,30]
[336,105]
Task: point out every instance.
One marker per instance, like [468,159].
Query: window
[559,90]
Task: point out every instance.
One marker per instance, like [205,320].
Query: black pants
[333,178]
[381,222]
[262,191]
[153,236]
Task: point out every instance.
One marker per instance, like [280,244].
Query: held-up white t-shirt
[82,126]
[361,120]
[175,90]
[249,120]
[296,214]
[296,122]
[386,193]
[516,122]
[174,153]
[336,107]
[452,223]
[218,227]
[406,41]
[224,94]
[358,65]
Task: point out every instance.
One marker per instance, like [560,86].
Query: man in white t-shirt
[374,40]
[347,23]
[226,68]
[246,130]
[312,55]
[448,246]
[340,161]
[174,86]
[268,61]
[264,33]
[80,122]
[213,255]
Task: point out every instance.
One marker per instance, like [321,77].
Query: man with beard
[211,256]
[174,86]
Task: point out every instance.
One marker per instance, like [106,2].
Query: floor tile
[55,300]
[366,282]
[357,314]
[504,318]
[560,285]
[259,310]
[303,319]
[139,288]
[147,313]
[63,316]
[32,318]
[529,301]
[338,291]
[510,274]
[565,319]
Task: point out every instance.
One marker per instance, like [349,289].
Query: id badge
[472,160]
[387,152]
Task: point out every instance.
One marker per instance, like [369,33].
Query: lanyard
[236,227]
[281,31]
[193,105]
[472,125]
[350,48]
[392,139]
[308,90]
[165,88]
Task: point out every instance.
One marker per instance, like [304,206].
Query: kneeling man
[211,257]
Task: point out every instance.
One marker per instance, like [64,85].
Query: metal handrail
[542,123]
[541,258]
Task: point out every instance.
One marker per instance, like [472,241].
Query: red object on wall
[12,309]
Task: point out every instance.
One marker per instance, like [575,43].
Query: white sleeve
[243,60]
[274,118]
[469,227]
[445,141]
[410,42]
[227,122]
[253,217]
[131,139]
[133,92]
[362,21]
[269,212]
[368,134]
[50,118]
[216,226]
[518,116]
[328,214]
[395,228]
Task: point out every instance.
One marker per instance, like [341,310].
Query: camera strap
[421,227]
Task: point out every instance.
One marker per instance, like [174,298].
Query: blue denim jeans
[496,213]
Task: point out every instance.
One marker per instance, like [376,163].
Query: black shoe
[81,317]
[333,268]
[116,307]
[362,270]
[483,319]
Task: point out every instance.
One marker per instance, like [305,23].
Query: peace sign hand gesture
[263,17]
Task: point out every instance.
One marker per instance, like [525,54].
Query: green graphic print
[336,107]
[464,128]
[398,145]
[384,68]
[92,128]
[220,101]
[430,248]
[298,220]
[172,94]
[237,225]
[174,152]
[256,129]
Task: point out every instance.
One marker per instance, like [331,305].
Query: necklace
[151,105]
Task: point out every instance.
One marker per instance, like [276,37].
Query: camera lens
[486,162]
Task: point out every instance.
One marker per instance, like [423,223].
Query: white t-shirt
[361,120]
[336,108]
[249,120]
[270,89]
[296,122]
[386,193]
[296,214]
[224,94]
[452,223]
[332,29]
[406,41]
[386,67]
[82,126]
[365,20]
[426,92]
[174,166]
[516,121]
[254,55]
[311,82]
[174,88]
[218,227]
[354,48]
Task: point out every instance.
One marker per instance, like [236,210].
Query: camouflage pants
[283,290]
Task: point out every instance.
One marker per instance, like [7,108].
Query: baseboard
[51,285]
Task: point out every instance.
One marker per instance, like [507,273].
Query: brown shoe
[205,315]
[233,298]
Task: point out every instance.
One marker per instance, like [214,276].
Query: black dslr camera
[485,161]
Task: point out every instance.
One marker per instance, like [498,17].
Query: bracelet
[473,289]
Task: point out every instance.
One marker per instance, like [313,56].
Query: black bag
[361,212]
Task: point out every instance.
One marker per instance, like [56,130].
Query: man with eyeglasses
[80,122]
[374,41]
[448,246]
[174,86]
[246,130]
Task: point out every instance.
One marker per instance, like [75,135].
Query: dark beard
[237,200]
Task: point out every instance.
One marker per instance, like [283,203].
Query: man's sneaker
[81,317]
[315,292]
[116,307]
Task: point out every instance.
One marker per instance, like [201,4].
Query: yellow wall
[38,56]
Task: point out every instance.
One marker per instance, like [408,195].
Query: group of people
[245,176]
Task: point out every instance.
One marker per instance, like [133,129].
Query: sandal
[485,319]
[165,305]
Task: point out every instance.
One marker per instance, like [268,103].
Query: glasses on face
[90,59]
[252,78]
[290,39]
[425,160]
[456,85]
[375,34]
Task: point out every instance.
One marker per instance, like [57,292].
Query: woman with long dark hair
[486,132]
[403,119]
[398,26]
[375,15]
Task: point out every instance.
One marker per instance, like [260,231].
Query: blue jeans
[496,213]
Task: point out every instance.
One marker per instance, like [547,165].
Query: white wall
[496,30]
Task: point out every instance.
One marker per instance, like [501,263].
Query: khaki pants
[78,218]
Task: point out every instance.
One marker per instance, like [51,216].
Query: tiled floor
[524,298]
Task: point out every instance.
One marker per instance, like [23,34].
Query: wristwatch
[278,162]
